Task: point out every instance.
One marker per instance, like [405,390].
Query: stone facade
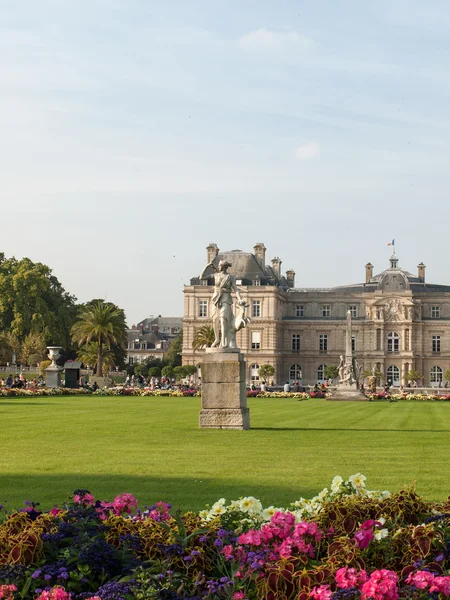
[151,338]
[400,322]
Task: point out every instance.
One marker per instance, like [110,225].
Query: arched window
[254,375]
[393,340]
[436,375]
[321,372]
[295,372]
[393,375]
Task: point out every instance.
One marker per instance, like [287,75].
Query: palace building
[400,322]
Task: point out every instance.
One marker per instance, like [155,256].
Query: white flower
[381,534]
[218,509]
[250,504]
[204,514]
[336,484]
[221,501]
[234,505]
[323,494]
[381,520]
[357,480]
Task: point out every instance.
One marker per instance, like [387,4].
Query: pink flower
[55,510]
[441,585]
[124,503]
[227,551]
[421,579]
[349,577]
[239,596]
[363,538]
[7,591]
[381,585]
[56,593]
[322,592]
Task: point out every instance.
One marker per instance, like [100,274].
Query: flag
[392,243]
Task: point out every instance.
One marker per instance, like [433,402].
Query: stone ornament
[225,322]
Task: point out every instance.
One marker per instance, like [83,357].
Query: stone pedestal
[53,377]
[349,392]
[224,395]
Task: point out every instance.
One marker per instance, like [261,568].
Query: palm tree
[204,337]
[101,322]
[88,354]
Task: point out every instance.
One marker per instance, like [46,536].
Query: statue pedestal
[224,395]
[348,391]
[53,377]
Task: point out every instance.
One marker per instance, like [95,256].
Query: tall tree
[173,356]
[88,355]
[101,322]
[32,300]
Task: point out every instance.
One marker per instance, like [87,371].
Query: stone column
[224,395]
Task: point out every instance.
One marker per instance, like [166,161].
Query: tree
[190,370]
[33,344]
[203,337]
[9,346]
[179,372]
[44,365]
[154,372]
[413,375]
[266,371]
[34,359]
[101,322]
[32,300]
[447,375]
[88,355]
[168,372]
[173,355]
[331,372]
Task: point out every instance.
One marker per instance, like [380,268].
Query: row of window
[203,308]
[392,373]
[393,342]
[325,310]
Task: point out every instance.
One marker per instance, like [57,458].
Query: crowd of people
[19,381]
[158,383]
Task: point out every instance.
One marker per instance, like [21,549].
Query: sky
[136,132]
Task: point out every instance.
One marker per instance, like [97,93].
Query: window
[436,343]
[435,312]
[436,375]
[353,310]
[323,342]
[393,340]
[257,282]
[407,339]
[204,282]
[299,310]
[295,372]
[326,310]
[321,372]
[295,342]
[393,375]
[203,308]
[353,343]
[378,339]
[256,340]
[254,375]
[256,308]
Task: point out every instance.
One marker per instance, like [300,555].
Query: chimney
[260,254]
[212,252]
[290,276]
[421,271]
[369,272]
[276,266]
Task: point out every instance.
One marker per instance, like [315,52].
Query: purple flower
[202,539]
[195,553]
[36,574]
[187,558]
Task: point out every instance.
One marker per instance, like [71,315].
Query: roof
[246,267]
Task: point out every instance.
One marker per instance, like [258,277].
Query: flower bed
[296,395]
[44,391]
[347,542]
[410,397]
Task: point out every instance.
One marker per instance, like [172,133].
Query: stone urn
[53,355]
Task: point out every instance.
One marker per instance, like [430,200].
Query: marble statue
[225,323]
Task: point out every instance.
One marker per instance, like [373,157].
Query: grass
[153,448]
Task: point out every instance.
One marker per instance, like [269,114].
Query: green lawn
[153,448]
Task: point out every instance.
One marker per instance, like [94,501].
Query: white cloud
[266,39]
[309,150]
